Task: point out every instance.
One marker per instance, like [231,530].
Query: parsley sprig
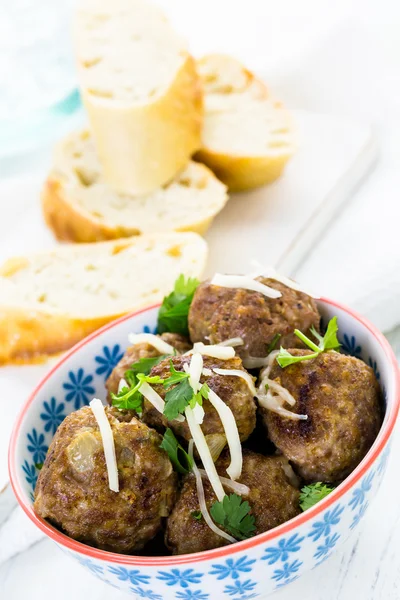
[311,494]
[233,514]
[182,394]
[130,398]
[327,342]
[180,459]
[174,311]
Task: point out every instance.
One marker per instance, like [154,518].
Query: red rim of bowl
[156,561]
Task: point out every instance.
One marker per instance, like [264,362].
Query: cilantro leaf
[196,515]
[145,365]
[175,377]
[233,515]
[181,460]
[284,358]
[177,399]
[273,343]
[174,311]
[328,342]
[311,494]
[130,398]
[198,398]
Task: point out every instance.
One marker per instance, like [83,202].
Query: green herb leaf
[284,358]
[198,398]
[39,466]
[177,399]
[130,398]
[181,460]
[197,515]
[311,494]
[328,342]
[147,379]
[145,365]
[173,313]
[175,377]
[273,343]
[233,515]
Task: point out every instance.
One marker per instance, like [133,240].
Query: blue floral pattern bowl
[249,569]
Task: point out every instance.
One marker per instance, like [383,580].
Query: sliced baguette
[247,135]
[141,92]
[79,207]
[52,300]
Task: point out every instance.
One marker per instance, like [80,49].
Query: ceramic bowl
[249,569]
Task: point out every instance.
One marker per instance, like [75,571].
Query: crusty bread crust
[70,224]
[32,336]
[241,173]
[238,172]
[144,146]
[29,333]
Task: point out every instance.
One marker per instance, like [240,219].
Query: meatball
[144,350]
[273,500]
[72,491]
[233,390]
[217,314]
[341,397]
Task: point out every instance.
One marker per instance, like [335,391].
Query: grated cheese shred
[152,340]
[108,443]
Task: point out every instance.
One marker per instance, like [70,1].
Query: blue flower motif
[192,595]
[182,578]
[359,515]
[145,593]
[286,582]
[36,446]
[240,587]
[79,388]
[287,571]
[383,462]
[111,358]
[86,562]
[53,415]
[147,329]
[283,549]
[31,474]
[132,575]
[374,367]
[323,527]
[350,345]
[232,568]
[328,545]
[359,493]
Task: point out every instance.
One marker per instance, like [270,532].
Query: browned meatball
[341,397]
[138,351]
[234,391]
[273,500]
[218,314]
[72,491]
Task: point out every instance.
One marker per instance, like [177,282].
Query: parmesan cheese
[153,340]
[244,282]
[108,443]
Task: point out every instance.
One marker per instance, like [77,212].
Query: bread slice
[79,207]
[247,136]
[52,300]
[141,92]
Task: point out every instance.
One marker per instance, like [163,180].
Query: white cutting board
[276,225]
